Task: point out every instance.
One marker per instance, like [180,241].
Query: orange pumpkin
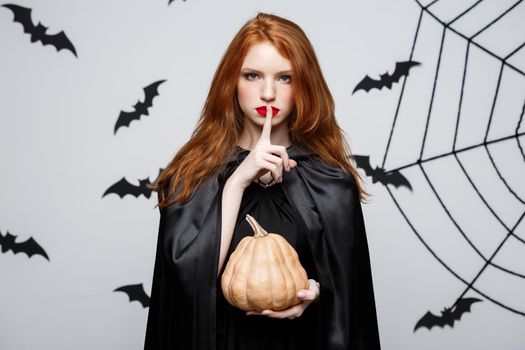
[263,273]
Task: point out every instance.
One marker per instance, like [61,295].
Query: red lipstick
[262,110]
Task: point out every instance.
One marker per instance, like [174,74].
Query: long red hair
[312,125]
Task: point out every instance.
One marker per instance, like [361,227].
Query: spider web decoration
[454,134]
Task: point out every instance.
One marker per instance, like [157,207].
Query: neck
[252,132]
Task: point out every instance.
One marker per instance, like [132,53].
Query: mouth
[262,111]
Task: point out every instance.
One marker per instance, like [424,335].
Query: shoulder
[319,169]
[199,201]
[332,183]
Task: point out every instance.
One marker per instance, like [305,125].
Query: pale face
[265,80]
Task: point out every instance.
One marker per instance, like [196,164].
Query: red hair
[312,125]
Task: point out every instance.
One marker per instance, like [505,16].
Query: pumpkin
[263,273]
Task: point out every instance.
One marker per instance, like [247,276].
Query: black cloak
[183,295]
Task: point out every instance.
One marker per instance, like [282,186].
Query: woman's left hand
[297,310]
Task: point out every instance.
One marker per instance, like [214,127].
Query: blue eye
[287,78]
[250,76]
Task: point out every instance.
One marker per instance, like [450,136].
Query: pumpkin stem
[257,229]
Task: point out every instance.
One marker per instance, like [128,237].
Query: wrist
[234,184]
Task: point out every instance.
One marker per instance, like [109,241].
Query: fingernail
[302,294]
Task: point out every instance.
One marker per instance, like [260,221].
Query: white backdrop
[454,128]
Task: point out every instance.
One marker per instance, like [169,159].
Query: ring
[264,184]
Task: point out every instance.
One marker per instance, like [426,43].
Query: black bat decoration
[402,69]
[169,3]
[123,187]
[29,246]
[378,174]
[38,33]
[141,108]
[135,292]
[448,316]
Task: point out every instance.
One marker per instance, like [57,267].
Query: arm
[231,202]
[261,159]
[159,290]
[349,320]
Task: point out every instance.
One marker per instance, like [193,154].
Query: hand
[263,158]
[292,312]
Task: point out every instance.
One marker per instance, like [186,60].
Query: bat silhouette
[123,187]
[169,3]
[448,316]
[379,175]
[141,108]
[401,70]
[30,246]
[38,33]
[135,292]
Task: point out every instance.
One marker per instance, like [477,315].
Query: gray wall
[429,245]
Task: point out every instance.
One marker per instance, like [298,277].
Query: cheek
[245,93]
[288,98]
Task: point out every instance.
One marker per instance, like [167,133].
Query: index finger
[267,127]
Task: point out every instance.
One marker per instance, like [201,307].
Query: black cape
[183,294]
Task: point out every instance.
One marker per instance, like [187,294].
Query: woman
[267,144]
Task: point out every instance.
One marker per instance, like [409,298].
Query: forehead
[265,56]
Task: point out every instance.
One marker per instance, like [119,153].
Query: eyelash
[248,76]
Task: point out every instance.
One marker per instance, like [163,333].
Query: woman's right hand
[263,158]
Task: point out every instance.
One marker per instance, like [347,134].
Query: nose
[268,91]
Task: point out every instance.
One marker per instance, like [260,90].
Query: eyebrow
[244,69]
